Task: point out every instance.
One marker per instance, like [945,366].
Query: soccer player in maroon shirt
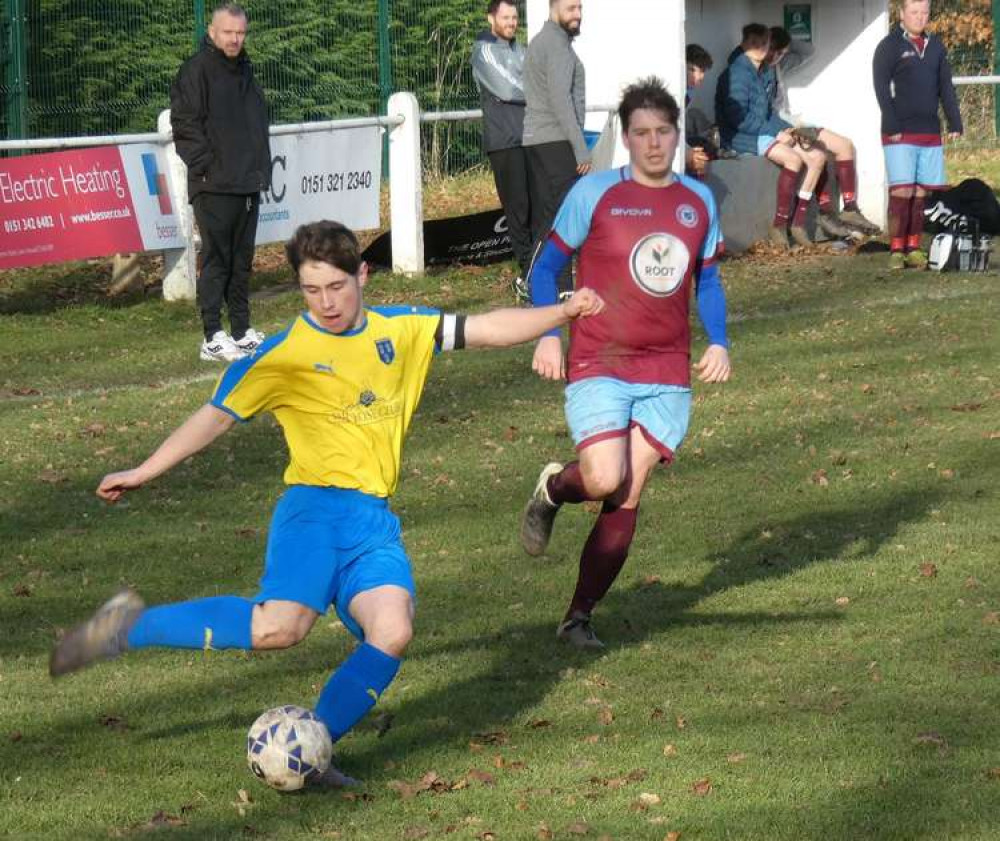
[644,236]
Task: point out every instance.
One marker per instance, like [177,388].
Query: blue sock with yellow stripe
[354,688]
[218,622]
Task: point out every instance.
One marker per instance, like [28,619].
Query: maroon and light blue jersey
[641,249]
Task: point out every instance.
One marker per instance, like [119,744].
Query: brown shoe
[102,637]
[777,236]
[799,236]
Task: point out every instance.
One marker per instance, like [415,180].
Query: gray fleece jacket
[554,90]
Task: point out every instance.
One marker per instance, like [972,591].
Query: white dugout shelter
[627,39]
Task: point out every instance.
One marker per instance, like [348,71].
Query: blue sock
[217,623]
[354,688]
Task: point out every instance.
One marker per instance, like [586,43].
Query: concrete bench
[744,190]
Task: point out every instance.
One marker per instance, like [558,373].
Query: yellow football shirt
[344,400]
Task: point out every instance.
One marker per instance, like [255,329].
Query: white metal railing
[976,80]
[50,143]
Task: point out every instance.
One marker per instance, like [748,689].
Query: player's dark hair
[755,36]
[698,56]
[493,5]
[234,9]
[324,242]
[648,93]
[780,38]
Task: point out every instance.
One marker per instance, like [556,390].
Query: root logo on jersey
[659,263]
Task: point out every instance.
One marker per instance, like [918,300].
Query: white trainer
[251,340]
[221,348]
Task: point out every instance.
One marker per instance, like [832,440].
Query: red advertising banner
[83,203]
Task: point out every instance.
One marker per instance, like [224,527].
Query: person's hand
[699,160]
[548,359]
[584,302]
[954,135]
[114,485]
[714,367]
[583,169]
[786,136]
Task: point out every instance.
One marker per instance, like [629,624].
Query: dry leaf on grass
[928,570]
[702,787]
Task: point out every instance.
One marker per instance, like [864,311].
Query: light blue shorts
[907,165]
[326,545]
[599,408]
[765,142]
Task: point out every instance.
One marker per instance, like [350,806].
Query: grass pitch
[805,643]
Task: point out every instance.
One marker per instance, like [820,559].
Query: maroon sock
[603,556]
[847,180]
[823,197]
[916,226]
[801,209]
[567,485]
[785,196]
[899,221]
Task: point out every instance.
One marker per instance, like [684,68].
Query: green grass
[808,617]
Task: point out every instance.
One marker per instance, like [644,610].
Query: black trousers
[510,174]
[551,171]
[228,226]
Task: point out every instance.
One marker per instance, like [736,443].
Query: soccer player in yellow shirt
[343,381]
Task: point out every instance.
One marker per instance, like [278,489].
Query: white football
[287,746]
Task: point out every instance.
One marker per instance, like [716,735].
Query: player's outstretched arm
[513,325]
[196,433]
[714,366]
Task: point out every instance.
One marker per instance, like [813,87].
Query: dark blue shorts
[326,545]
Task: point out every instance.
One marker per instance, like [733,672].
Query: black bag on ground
[953,210]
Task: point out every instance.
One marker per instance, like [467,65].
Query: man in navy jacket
[912,74]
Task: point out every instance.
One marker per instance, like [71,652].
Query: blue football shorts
[598,408]
[908,164]
[326,545]
[764,143]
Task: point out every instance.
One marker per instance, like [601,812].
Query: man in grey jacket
[498,70]
[554,89]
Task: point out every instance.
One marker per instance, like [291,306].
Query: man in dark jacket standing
[554,89]
[498,70]
[912,75]
[219,120]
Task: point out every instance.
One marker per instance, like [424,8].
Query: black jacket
[219,119]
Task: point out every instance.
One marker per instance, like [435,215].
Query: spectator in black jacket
[912,75]
[498,70]
[219,120]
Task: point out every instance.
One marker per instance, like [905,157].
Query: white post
[179,268]
[406,201]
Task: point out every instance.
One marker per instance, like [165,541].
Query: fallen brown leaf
[702,787]
[670,750]
[672,836]
[736,757]
[605,716]
[578,828]
[928,570]
[412,833]
[544,833]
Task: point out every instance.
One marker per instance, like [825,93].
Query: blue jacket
[744,105]
[909,85]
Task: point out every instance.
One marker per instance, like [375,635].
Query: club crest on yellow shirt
[386,352]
